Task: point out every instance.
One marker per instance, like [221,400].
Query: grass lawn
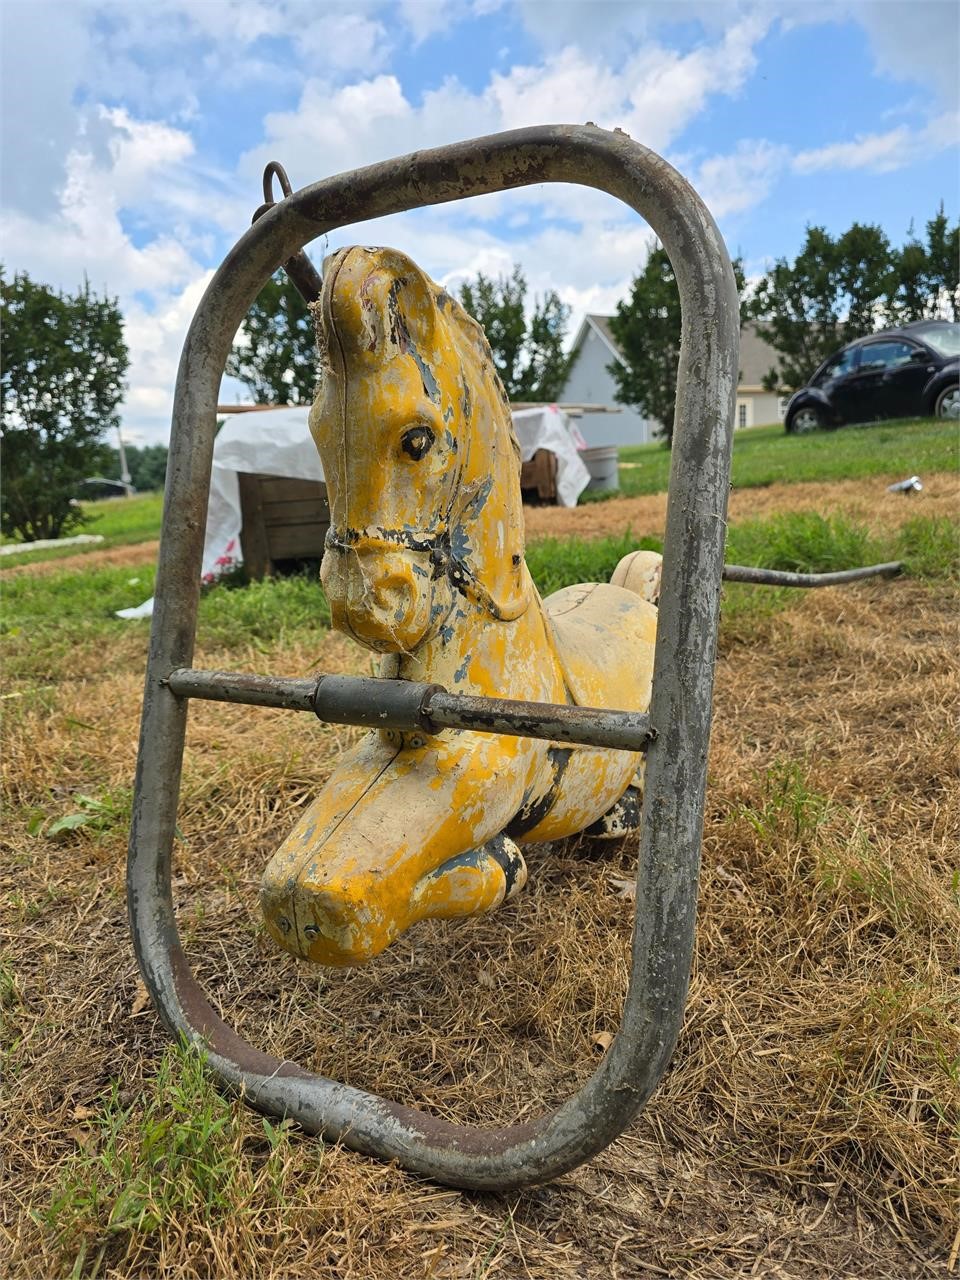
[47,615]
[810,1109]
[766,455]
[119,521]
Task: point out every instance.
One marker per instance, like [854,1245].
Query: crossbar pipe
[410,705]
[786,578]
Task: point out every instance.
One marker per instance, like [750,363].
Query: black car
[910,372]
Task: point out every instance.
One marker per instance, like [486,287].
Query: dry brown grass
[808,1124]
[109,557]
[865,501]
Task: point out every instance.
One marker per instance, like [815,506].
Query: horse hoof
[619,821]
[508,857]
[473,882]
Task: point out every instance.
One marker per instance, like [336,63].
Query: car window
[886,355]
[944,338]
[843,362]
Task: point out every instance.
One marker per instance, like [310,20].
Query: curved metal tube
[680,709]
[787,578]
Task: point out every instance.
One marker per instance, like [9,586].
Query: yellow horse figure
[424,563]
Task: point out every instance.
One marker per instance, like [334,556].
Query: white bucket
[603,463]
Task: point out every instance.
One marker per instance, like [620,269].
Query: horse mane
[475,340]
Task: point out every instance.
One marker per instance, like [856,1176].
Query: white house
[756,407]
[590,382]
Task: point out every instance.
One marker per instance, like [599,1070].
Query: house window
[741,415]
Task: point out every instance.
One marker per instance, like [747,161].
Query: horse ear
[372,296]
[414,293]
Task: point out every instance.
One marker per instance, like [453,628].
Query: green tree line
[835,290]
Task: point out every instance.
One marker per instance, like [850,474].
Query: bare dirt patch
[806,1127]
[105,558]
[866,501]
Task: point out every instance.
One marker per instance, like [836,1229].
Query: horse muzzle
[342,919]
[383,598]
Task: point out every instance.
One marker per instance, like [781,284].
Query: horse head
[419,456]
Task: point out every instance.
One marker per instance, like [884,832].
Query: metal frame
[680,710]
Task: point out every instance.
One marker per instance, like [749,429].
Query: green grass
[767,455]
[559,562]
[805,542]
[120,522]
[176,1152]
[44,616]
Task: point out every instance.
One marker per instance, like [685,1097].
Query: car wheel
[806,419]
[948,403]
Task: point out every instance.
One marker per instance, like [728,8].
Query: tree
[928,275]
[64,360]
[834,291]
[528,354]
[147,465]
[943,266]
[278,359]
[837,290]
[646,328]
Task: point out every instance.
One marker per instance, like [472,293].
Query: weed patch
[140,1168]
[561,562]
[802,542]
[930,547]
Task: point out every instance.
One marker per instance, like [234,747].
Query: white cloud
[158,282]
[916,41]
[743,178]
[883,152]
[426,17]
[342,42]
[654,95]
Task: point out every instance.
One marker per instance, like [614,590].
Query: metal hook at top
[275,170]
[303,274]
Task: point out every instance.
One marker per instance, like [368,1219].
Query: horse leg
[396,836]
[440,894]
[621,819]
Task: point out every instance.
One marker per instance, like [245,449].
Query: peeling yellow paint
[424,564]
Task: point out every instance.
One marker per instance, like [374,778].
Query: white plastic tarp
[277,442]
[550,428]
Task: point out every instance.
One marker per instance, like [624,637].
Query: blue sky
[134,134]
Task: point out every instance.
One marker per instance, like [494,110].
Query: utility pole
[124,471]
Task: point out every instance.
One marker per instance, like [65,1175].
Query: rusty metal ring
[681,700]
[275,170]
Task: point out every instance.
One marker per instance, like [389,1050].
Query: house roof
[757,357]
[602,325]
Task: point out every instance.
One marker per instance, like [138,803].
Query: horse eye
[417,441]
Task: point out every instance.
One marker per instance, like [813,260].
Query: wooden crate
[538,477]
[283,519]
